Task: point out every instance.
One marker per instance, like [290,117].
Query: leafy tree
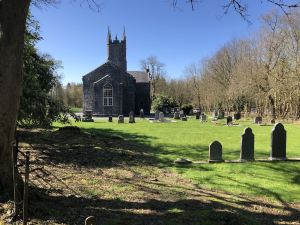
[163,103]
[37,107]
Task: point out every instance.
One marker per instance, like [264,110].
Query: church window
[107,95]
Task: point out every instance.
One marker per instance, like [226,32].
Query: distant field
[168,141]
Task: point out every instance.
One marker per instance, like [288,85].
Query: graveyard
[150,112]
[124,173]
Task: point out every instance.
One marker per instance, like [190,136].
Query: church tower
[116,50]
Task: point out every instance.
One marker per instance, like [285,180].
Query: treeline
[70,95]
[260,74]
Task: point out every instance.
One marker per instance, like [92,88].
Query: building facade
[112,90]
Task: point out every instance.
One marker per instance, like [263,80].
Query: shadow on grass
[107,148]
[73,210]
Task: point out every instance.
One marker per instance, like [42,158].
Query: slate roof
[140,76]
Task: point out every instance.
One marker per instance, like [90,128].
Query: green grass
[76,110]
[168,141]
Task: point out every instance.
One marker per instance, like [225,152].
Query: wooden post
[25,196]
[15,174]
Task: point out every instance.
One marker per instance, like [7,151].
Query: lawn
[124,174]
[167,141]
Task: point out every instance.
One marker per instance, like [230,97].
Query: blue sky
[76,36]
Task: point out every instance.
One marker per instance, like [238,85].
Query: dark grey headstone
[177,115]
[221,114]
[121,119]
[272,121]
[131,117]
[157,115]
[110,119]
[278,143]
[184,118]
[229,120]
[90,220]
[215,152]
[142,115]
[203,118]
[197,115]
[237,116]
[87,117]
[258,120]
[247,145]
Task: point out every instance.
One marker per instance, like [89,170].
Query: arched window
[107,95]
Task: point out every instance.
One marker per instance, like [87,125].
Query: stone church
[112,90]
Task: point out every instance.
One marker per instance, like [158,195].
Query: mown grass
[276,180]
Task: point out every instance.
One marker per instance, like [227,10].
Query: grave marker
[247,145]
[278,143]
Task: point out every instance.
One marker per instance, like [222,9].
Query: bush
[163,103]
[187,109]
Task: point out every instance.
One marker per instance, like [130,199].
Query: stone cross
[247,145]
[215,152]
[110,119]
[229,120]
[157,115]
[142,113]
[90,220]
[278,143]
[161,116]
[131,117]
[121,119]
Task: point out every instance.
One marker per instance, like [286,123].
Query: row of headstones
[121,118]
[278,146]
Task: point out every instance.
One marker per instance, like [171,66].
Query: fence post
[15,173]
[25,195]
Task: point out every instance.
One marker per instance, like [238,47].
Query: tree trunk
[13,15]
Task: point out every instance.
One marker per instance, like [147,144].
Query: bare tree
[157,72]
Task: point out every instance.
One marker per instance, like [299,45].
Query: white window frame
[108,97]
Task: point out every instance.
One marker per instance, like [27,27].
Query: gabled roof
[107,64]
[140,76]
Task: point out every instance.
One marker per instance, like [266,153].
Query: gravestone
[161,117]
[215,114]
[278,143]
[121,119]
[220,114]
[181,114]
[177,116]
[215,152]
[142,115]
[88,116]
[258,120]
[203,118]
[237,116]
[131,117]
[110,119]
[272,121]
[229,120]
[247,145]
[184,118]
[197,115]
[90,220]
[157,115]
